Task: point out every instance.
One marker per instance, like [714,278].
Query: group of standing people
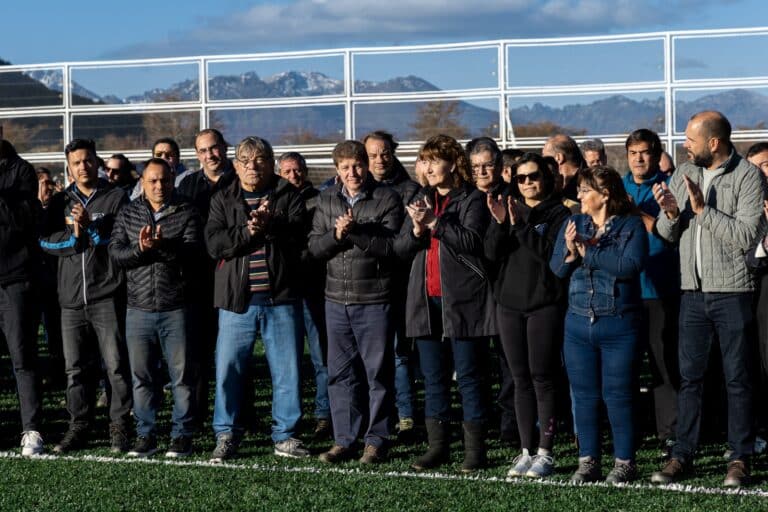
[544,256]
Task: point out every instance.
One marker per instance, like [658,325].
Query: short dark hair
[43,170]
[159,161]
[350,149]
[649,137]
[211,131]
[78,144]
[125,164]
[170,142]
[511,155]
[7,150]
[543,166]
[382,135]
[604,178]
[296,157]
[756,149]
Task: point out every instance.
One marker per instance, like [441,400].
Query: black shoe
[180,447]
[145,446]
[74,439]
[118,439]
[438,437]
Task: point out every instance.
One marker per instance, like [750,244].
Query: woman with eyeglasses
[603,251]
[529,304]
[449,304]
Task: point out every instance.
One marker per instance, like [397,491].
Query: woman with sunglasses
[529,297]
[602,251]
[449,304]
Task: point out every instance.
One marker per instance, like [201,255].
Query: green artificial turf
[95,479]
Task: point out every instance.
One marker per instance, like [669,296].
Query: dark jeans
[660,333]
[360,350]
[600,359]
[91,334]
[18,322]
[152,336]
[531,344]
[728,316]
[439,357]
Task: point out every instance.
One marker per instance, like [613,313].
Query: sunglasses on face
[534,176]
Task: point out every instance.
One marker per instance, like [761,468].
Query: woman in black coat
[449,305]
[529,303]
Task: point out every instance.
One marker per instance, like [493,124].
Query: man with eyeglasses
[486,162]
[198,187]
[256,232]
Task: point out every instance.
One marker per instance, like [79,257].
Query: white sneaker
[521,464]
[542,466]
[31,443]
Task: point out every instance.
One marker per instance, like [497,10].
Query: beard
[703,159]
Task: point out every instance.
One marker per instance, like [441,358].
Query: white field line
[687,489]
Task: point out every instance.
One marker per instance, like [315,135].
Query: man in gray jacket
[712,207]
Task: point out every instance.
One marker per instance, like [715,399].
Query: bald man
[569,160]
[712,208]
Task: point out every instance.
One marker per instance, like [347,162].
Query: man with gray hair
[712,207]
[593,151]
[255,230]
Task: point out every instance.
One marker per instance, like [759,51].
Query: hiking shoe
[322,428]
[74,439]
[372,454]
[622,473]
[336,454]
[737,475]
[406,433]
[145,446]
[31,443]
[673,470]
[588,471]
[118,439]
[291,448]
[180,447]
[520,464]
[226,447]
[542,466]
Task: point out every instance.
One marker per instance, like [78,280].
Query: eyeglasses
[532,177]
[487,167]
[585,190]
[254,164]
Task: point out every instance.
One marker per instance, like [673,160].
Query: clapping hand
[149,239]
[344,224]
[572,241]
[666,199]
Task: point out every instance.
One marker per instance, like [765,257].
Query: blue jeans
[360,351]
[314,321]
[600,359]
[102,320]
[280,326]
[439,358]
[151,336]
[702,317]
[403,375]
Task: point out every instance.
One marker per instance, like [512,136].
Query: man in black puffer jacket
[19,214]
[158,240]
[91,292]
[353,229]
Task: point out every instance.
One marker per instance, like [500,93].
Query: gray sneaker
[543,466]
[521,464]
[291,448]
[622,473]
[226,447]
[588,471]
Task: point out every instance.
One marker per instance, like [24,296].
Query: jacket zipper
[471,266]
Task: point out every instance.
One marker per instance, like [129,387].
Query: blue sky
[53,31]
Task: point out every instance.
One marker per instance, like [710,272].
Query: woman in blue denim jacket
[602,251]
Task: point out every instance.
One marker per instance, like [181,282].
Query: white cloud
[301,24]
